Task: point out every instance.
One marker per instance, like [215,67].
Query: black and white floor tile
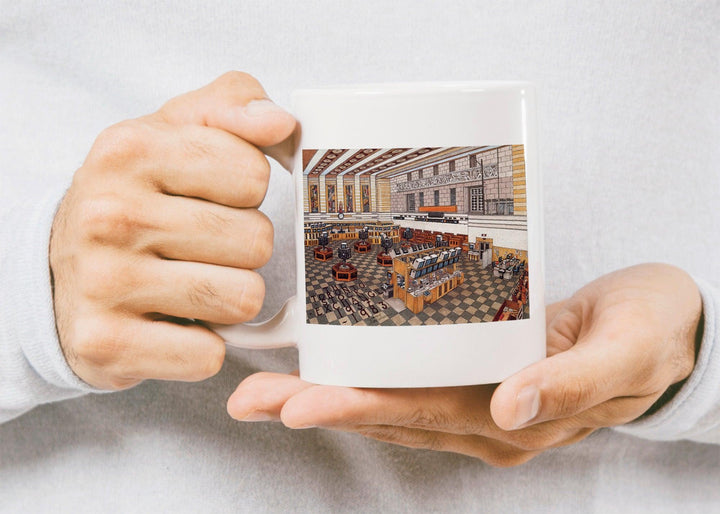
[361,302]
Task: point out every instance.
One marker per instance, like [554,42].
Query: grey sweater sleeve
[694,411]
[33,369]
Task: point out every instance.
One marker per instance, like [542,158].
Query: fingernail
[258,415]
[262,107]
[528,405]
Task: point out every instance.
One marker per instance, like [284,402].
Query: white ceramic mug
[454,162]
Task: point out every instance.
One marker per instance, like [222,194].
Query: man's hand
[613,349]
[161,228]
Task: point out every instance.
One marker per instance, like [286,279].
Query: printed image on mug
[415,236]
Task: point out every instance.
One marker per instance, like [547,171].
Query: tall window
[420,174]
[473,160]
[436,169]
[436,194]
[453,196]
[421,199]
[409,177]
[502,207]
[410,202]
[452,166]
[476,200]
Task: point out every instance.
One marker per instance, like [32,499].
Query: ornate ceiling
[379,162]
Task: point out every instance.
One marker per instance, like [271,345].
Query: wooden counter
[402,268]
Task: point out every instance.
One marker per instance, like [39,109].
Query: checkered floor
[361,302]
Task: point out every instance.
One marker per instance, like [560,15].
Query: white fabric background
[629,121]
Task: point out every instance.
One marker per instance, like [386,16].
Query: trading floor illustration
[415,236]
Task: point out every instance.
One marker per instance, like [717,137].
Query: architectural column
[383,190]
[340,192]
[358,194]
[306,194]
[373,194]
[518,170]
[323,194]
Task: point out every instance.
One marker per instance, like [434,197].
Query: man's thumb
[589,373]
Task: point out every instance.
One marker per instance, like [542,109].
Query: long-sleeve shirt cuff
[33,369]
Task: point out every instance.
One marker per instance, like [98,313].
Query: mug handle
[280,331]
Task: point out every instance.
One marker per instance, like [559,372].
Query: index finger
[234,102]
[461,410]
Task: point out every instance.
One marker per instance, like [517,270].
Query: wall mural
[331,202]
[365,192]
[349,198]
[314,198]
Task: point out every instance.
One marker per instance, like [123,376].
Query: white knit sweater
[629,131]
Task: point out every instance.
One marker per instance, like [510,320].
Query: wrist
[686,370]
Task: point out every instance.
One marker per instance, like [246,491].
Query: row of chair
[429,236]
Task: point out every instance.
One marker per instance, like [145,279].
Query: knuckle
[404,437]
[212,222]
[261,244]
[618,411]
[533,438]
[648,368]
[428,440]
[235,79]
[387,434]
[104,280]
[198,149]
[578,436]
[204,294]
[214,358]
[424,417]
[506,458]
[574,394]
[230,308]
[256,177]
[97,343]
[247,305]
[120,144]
[108,218]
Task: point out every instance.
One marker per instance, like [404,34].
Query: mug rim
[409,87]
